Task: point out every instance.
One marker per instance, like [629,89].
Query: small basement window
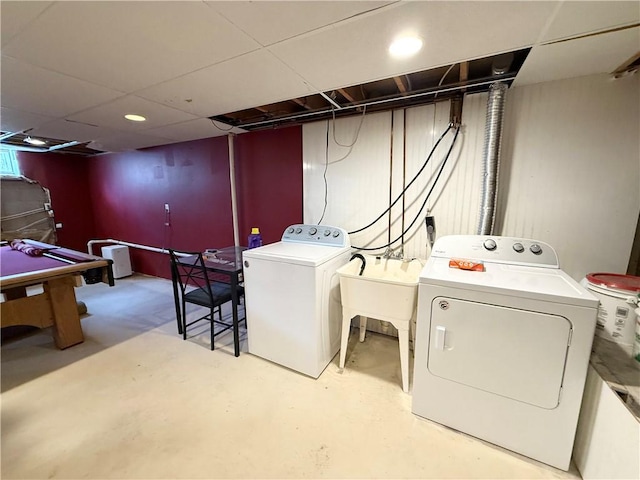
[9,163]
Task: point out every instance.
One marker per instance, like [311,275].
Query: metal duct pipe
[491,157]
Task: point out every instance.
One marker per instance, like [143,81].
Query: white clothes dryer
[502,354]
[292,294]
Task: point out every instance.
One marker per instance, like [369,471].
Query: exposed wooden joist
[402,88]
[352,94]
[301,103]
[464,74]
[464,71]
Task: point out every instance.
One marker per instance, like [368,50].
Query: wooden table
[226,263]
[58,272]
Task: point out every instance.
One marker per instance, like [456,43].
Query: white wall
[570,171]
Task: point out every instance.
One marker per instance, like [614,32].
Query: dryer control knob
[290,230]
[327,233]
[490,244]
[518,247]
[312,231]
[535,249]
[336,234]
[298,230]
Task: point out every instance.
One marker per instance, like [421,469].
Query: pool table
[57,271]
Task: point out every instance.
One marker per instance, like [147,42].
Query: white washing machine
[502,354]
[292,293]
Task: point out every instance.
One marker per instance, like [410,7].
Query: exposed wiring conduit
[491,157]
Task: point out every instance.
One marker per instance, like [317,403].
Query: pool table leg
[67,330]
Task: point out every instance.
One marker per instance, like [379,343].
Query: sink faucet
[389,253]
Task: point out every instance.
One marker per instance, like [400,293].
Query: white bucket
[618,295]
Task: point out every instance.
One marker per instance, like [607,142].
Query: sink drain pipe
[491,157]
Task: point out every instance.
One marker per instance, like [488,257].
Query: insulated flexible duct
[491,157]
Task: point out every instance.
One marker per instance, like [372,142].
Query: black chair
[191,284]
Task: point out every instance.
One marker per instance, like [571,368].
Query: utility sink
[386,290]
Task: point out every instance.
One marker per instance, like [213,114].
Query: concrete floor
[136,401]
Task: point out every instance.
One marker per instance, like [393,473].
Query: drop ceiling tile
[33,89]
[292,18]
[71,131]
[254,79]
[582,56]
[14,16]
[576,18]
[122,141]
[194,130]
[111,114]
[129,45]
[355,51]
[12,120]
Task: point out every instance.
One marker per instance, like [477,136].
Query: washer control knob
[327,233]
[290,230]
[298,230]
[490,244]
[535,249]
[313,231]
[518,247]
[336,234]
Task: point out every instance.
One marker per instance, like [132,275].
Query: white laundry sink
[386,288]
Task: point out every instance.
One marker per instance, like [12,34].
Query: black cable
[424,165]
[324,175]
[213,122]
[418,215]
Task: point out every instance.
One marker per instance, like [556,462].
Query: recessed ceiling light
[135,118]
[35,141]
[403,47]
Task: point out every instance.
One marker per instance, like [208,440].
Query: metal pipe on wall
[90,244]
[491,157]
[232,181]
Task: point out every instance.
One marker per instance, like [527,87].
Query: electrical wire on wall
[324,175]
[435,182]
[424,165]
[355,138]
[326,153]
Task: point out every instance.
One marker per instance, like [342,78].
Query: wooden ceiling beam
[464,71]
[402,88]
[352,94]
[464,74]
[301,103]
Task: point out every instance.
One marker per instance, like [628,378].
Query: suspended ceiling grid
[71,70]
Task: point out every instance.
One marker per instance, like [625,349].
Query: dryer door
[514,353]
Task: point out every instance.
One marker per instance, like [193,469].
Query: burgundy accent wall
[129,191]
[269,186]
[67,178]
[122,195]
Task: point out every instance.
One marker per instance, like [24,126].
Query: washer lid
[537,283]
[297,253]
[615,280]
